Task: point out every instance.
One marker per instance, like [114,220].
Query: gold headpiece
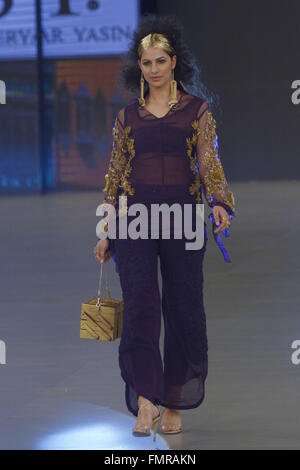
[161,41]
[155,40]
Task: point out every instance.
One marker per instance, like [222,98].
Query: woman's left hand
[221,217]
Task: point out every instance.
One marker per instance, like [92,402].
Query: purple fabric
[217,236]
[178,379]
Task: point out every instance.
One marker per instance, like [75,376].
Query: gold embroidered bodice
[178,148]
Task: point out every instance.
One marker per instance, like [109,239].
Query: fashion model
[164,151]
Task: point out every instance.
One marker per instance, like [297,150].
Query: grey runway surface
[62,392]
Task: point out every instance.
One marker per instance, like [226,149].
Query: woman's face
[155,62]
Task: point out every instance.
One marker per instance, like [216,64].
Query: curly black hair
[187,68]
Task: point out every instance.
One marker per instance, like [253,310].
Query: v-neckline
[162,117]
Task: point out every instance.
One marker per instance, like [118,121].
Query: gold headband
[155,40]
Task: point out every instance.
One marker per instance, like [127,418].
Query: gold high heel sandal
[170,428]
[144,430]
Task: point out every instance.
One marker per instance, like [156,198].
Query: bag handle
[98,304]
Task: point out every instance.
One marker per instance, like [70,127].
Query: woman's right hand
[102,250]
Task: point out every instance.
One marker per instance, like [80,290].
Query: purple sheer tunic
[179,148]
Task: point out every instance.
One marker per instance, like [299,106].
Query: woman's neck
[160,97]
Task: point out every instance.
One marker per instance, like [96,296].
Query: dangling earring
[173,99]
[142,99]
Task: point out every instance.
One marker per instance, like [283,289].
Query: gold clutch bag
[101,317]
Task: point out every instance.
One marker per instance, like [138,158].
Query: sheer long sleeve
[118,154]
[213,180]
[211,172]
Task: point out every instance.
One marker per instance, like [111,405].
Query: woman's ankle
[142,400]
[171,409]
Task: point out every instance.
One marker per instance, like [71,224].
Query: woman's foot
[171,421]
[146,415]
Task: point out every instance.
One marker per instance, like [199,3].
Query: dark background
[248,53]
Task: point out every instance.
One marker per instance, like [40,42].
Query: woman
[164,151]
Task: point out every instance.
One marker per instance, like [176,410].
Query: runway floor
[62,392]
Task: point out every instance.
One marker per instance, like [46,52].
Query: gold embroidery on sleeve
[120,165]
[191,142]
[127,188]
[214,178]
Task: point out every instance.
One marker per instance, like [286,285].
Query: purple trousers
[176,381]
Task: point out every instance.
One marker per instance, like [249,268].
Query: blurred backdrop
[59,60]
